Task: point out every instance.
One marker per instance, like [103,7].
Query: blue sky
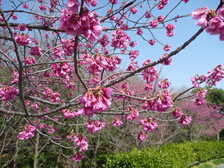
[203,54]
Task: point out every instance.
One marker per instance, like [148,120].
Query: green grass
[210,164]
[219,161]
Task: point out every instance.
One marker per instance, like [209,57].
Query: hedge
[169,156]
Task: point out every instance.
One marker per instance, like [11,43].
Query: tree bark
[35,163]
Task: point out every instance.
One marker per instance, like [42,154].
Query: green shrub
[168,156]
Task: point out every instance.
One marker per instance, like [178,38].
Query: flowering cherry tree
[66,63]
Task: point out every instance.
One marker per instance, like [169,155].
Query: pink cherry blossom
[168,61]
[199,12]
[133,114]
[167,47]
[186,1]
[15,17]
[25,5]
[164,84]
[177,113]
[185,120]
[149,124]
[154,23]
[139,32]
[142,136]
[169,29]
[77,157]
[133,10]
[27,133]
[116,122]
[8,93]
[160,18]
[152,42]
[203,22]
[220,13]
[23,39]
[133,43]
[42,7]
[113,1]
[147,14]
[35,51]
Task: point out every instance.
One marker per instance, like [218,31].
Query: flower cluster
[212,21]
[154,23]
[125,90]
[87,24]
[216,76]
[57,52]
[69,113]
[152,42]
[104,40]
[161,102]
[23,39]
[164,84]
[95,100]
[80,140]
[95,125]
[62,70]
[30,60]
[8,93]
[185,120]
[133,113]
[35,51]
[68,46]
[120,39]
[148,124]
[27,133]
[48,93]
[177,113]
[116,122]
[162,4]
[167,47]
[147,14]
[142,136]
[168,61]
[96,63]
[169,30]
[133,54]
[77,157]
[150,74]
[200,97]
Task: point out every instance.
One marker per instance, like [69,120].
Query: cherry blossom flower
[164,84]
[113,1]
[152,42]
[116,122]
[177,113]
[147,14]
[185,120]
[8,92]
[154,23]
[199,12]
[23,39]
[42,7]
[168,61]
[133,114]
[149,125]
[167,47]
[220,13]
[139,32]
[142,136]
[160,18]
[27,133]
[77,157]
[25,5]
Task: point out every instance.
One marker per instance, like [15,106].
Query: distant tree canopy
[214,95]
